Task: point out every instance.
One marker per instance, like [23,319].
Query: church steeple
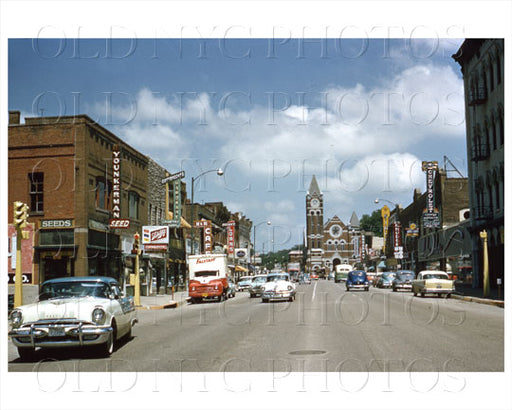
[313,187]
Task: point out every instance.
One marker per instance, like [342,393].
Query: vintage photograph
[220,207]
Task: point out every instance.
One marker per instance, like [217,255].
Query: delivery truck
[208,277]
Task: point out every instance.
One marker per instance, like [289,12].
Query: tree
[372,223]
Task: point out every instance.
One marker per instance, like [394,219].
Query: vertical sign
[398,234]
[116,183]
[231,237]
[207,234]
[430,213]
[363,245]
[176,210]
[385,222]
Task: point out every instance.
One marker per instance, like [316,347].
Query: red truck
[208,277]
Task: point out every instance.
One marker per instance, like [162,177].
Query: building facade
[482,66]
[62,167]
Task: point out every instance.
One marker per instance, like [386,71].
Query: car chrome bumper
[276,296]
[59,334]
[406,286]
[443,291]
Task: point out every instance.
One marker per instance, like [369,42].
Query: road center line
[314,292]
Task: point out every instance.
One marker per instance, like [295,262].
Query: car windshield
[259,279]
[388,276]
[405,276]
[275,278]
[357,274]
[202,273]
[73,289]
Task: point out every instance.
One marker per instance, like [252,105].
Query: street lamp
[219,172]
[377,200]
[254,238]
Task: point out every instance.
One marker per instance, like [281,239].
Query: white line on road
[314,292]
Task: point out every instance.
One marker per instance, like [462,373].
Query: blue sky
[360,114]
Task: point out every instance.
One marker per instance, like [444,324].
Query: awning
[184,223]
[239,268]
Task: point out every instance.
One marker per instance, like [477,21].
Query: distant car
[330,276]
[314,276]
[278,287]
[385,280]
[403,280]
[307,279]
[72,312]
[231,292]
[257,283]
[244,283]
[357,279]
[433,282]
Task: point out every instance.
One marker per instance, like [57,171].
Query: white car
[278,287]
[73,311]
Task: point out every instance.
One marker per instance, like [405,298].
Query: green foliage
[372,223]
[269,259]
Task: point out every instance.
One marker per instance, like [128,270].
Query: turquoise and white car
[73,312]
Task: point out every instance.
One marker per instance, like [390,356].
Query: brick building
[482,66]
[62,167]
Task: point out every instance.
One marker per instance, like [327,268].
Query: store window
[36,180]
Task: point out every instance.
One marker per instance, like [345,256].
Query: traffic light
[136,243]
[20,214]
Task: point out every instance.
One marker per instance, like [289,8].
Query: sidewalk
[470,294]
[163,301]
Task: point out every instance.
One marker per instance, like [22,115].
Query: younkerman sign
[116,222]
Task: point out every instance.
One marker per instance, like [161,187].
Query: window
[36,191]
[133,200]
[102,194]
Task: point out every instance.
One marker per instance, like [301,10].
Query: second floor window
[36,180]
[133,200]
[102,194]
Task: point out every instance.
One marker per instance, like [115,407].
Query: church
[333,242]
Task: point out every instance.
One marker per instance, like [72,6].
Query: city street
[324,329]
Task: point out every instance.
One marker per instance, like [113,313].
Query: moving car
[342,271]
[314,276]
[244,283]
[385,280]
[403,280]
[74,311]
[278,287]
[257,283]
[357,279]
[432,282]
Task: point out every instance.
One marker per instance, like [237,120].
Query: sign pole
[18,279]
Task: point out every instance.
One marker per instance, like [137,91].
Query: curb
[498,303]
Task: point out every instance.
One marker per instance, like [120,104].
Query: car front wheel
[107,348]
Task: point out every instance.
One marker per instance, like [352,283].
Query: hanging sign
[207,234]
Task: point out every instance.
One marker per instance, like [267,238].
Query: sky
[360,114]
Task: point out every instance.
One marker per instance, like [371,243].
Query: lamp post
[219,172]
[254,238]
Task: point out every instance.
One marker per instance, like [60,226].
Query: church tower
[314,228]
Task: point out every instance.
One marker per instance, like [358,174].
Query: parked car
[385,280]
[74,311]
[357,279]
[433,282]
[278,287]
[403,280]
[257,283]
[231,292]
[244,283]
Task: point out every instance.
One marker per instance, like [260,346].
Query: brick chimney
[14,117]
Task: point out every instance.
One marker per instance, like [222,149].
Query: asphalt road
[326,329]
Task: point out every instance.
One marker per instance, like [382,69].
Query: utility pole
[136,250]
[20,216]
